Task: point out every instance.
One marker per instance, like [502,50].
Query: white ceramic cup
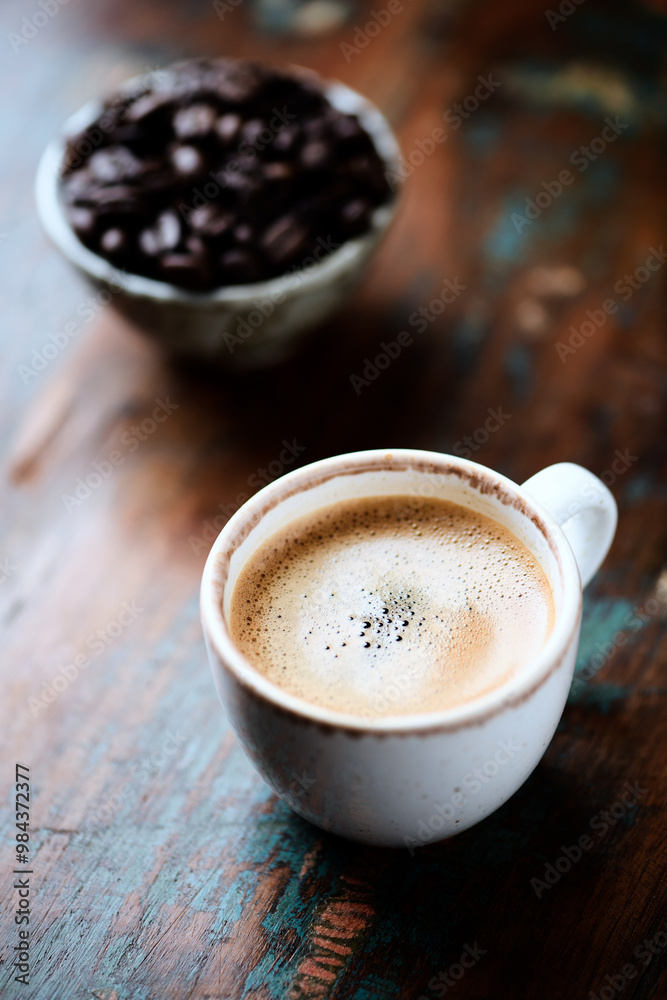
[405,780]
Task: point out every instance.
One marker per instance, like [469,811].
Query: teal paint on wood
[507,239]
[518,363]
[522,223]
[380,989]
[643,487]
[602,619]
[483,132]
[602,696]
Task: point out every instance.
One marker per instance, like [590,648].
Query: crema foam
[391,606]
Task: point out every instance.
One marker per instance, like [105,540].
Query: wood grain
[163,866]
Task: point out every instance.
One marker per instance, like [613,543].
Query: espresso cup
[405,780]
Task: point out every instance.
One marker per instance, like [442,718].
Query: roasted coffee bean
[235,91]
[239,267]
[237,82]
[195,245]
[127,134]
[113,164]
[227,127]
[366,168]
[359,166]
[82,221]
[187,160]
[147,105]
[114,198]
[250,132]
[77,150]
[164,235]
[148,243]
[157,184]
[240,183]
[286,139]
[277,171]
[284,238]
[196,120]
[114,241]
[315,154]
[78,184]
[355,216]
[210,220]
[187,269]
[346,128]
[314,128]
[244,233]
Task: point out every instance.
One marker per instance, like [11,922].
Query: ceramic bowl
[236,325]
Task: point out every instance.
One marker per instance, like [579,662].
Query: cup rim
[509,693]
[51,212]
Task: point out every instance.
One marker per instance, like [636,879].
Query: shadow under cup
[375,779]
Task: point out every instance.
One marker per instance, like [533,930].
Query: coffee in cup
[391,605]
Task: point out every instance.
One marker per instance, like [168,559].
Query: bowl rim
[51,211]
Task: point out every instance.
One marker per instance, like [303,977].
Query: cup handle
[583,508]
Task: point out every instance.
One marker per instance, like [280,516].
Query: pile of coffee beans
[218,172]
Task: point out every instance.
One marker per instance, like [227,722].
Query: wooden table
[162,868]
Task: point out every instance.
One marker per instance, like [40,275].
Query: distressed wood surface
[162,865]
